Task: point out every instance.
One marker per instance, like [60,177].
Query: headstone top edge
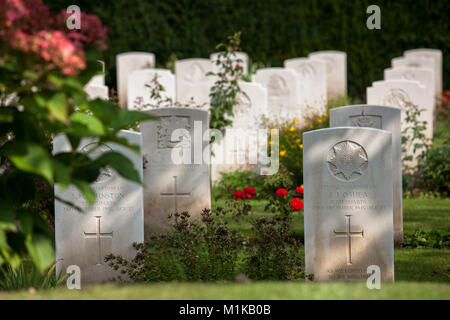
[342,128]
[361,106]
[130,53]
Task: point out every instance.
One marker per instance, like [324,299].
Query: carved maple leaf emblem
[346,159]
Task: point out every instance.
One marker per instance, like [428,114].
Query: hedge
[274,30]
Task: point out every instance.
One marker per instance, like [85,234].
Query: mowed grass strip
[251,290]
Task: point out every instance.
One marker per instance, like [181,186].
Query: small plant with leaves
[159,99]
[189,250]
[414,141]
[273,254]
[224,92]
[26,276]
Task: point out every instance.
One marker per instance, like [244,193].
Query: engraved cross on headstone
[98,235]
[175,194]
[348,233]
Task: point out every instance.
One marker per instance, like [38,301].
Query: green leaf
[62,174]
[91,125]
[121,164]
[127,118]
[4,241]
[57,105]
[86,190]
[41,250]
[30,157]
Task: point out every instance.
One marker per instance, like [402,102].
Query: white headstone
[172,185]
[336,71]
[192,82]
[379,117]
[347,175]
[401,93]
[312,83]
[126,63]
[111,225]
[282,89]
[233,152]
[96,91]
[436,55]
[242,56]
[417,62]
[139,92]
[424,76]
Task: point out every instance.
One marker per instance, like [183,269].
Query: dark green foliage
[434,170]
[191,249]
[428,239]
[207,249]
[274,30]
[274,255]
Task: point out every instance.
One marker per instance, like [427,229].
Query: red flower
[239,194]
[281,193]
[249,192]
[296,204]
[299,190]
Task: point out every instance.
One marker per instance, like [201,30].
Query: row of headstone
[353,194]
[415,78]
[303,87]
[126,212]
[321,76]
[189,85]
[352,181]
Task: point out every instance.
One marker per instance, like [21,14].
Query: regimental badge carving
[305,70]
[277,86]
[409,75]
[366,121]
[166,126]
[347,160]
[414,64]
[195,73]
[396,98]
[330,64]
[95,150]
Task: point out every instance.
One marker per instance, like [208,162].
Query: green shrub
[273,254]
[424,239]
[433,172]
[206,249]
[44,69]
[190,250]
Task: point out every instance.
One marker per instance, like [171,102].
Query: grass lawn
[257,290]
[419,273]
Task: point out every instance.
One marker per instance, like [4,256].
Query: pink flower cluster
[53,47]
[26,26]
[92,31]
[13,11]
